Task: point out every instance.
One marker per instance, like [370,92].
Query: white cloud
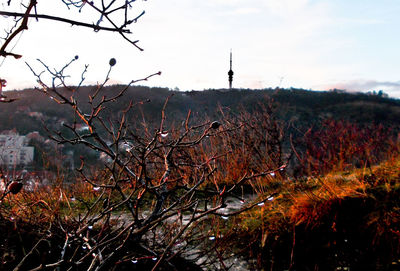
[367,85]
[286,8]
[241,11]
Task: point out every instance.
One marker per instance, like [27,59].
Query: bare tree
[159,182]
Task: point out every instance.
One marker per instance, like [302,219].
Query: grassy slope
[342,220]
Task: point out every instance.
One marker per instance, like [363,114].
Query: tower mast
[230,72]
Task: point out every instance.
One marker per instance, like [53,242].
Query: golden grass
[309,201]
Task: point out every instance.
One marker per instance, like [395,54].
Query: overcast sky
[311,44]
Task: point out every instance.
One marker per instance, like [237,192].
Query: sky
[310,44]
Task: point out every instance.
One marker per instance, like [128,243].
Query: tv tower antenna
[230,72]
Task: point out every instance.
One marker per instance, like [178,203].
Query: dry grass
[354,215]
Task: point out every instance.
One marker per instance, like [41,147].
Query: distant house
[37,115]
[14,149]
[36,136]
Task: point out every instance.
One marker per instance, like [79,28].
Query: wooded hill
[302,107]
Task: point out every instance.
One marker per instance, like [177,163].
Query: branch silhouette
[114,13]
[22,27]
[64,20]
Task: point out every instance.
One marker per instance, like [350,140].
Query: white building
[14,150]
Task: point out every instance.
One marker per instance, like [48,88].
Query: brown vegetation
[159,192]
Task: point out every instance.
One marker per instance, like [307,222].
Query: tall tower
[230,73]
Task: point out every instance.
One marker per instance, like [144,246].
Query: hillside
[296,110]
[303,106]
[282,179]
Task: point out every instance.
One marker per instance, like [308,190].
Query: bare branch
[65,20]
[23,26]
